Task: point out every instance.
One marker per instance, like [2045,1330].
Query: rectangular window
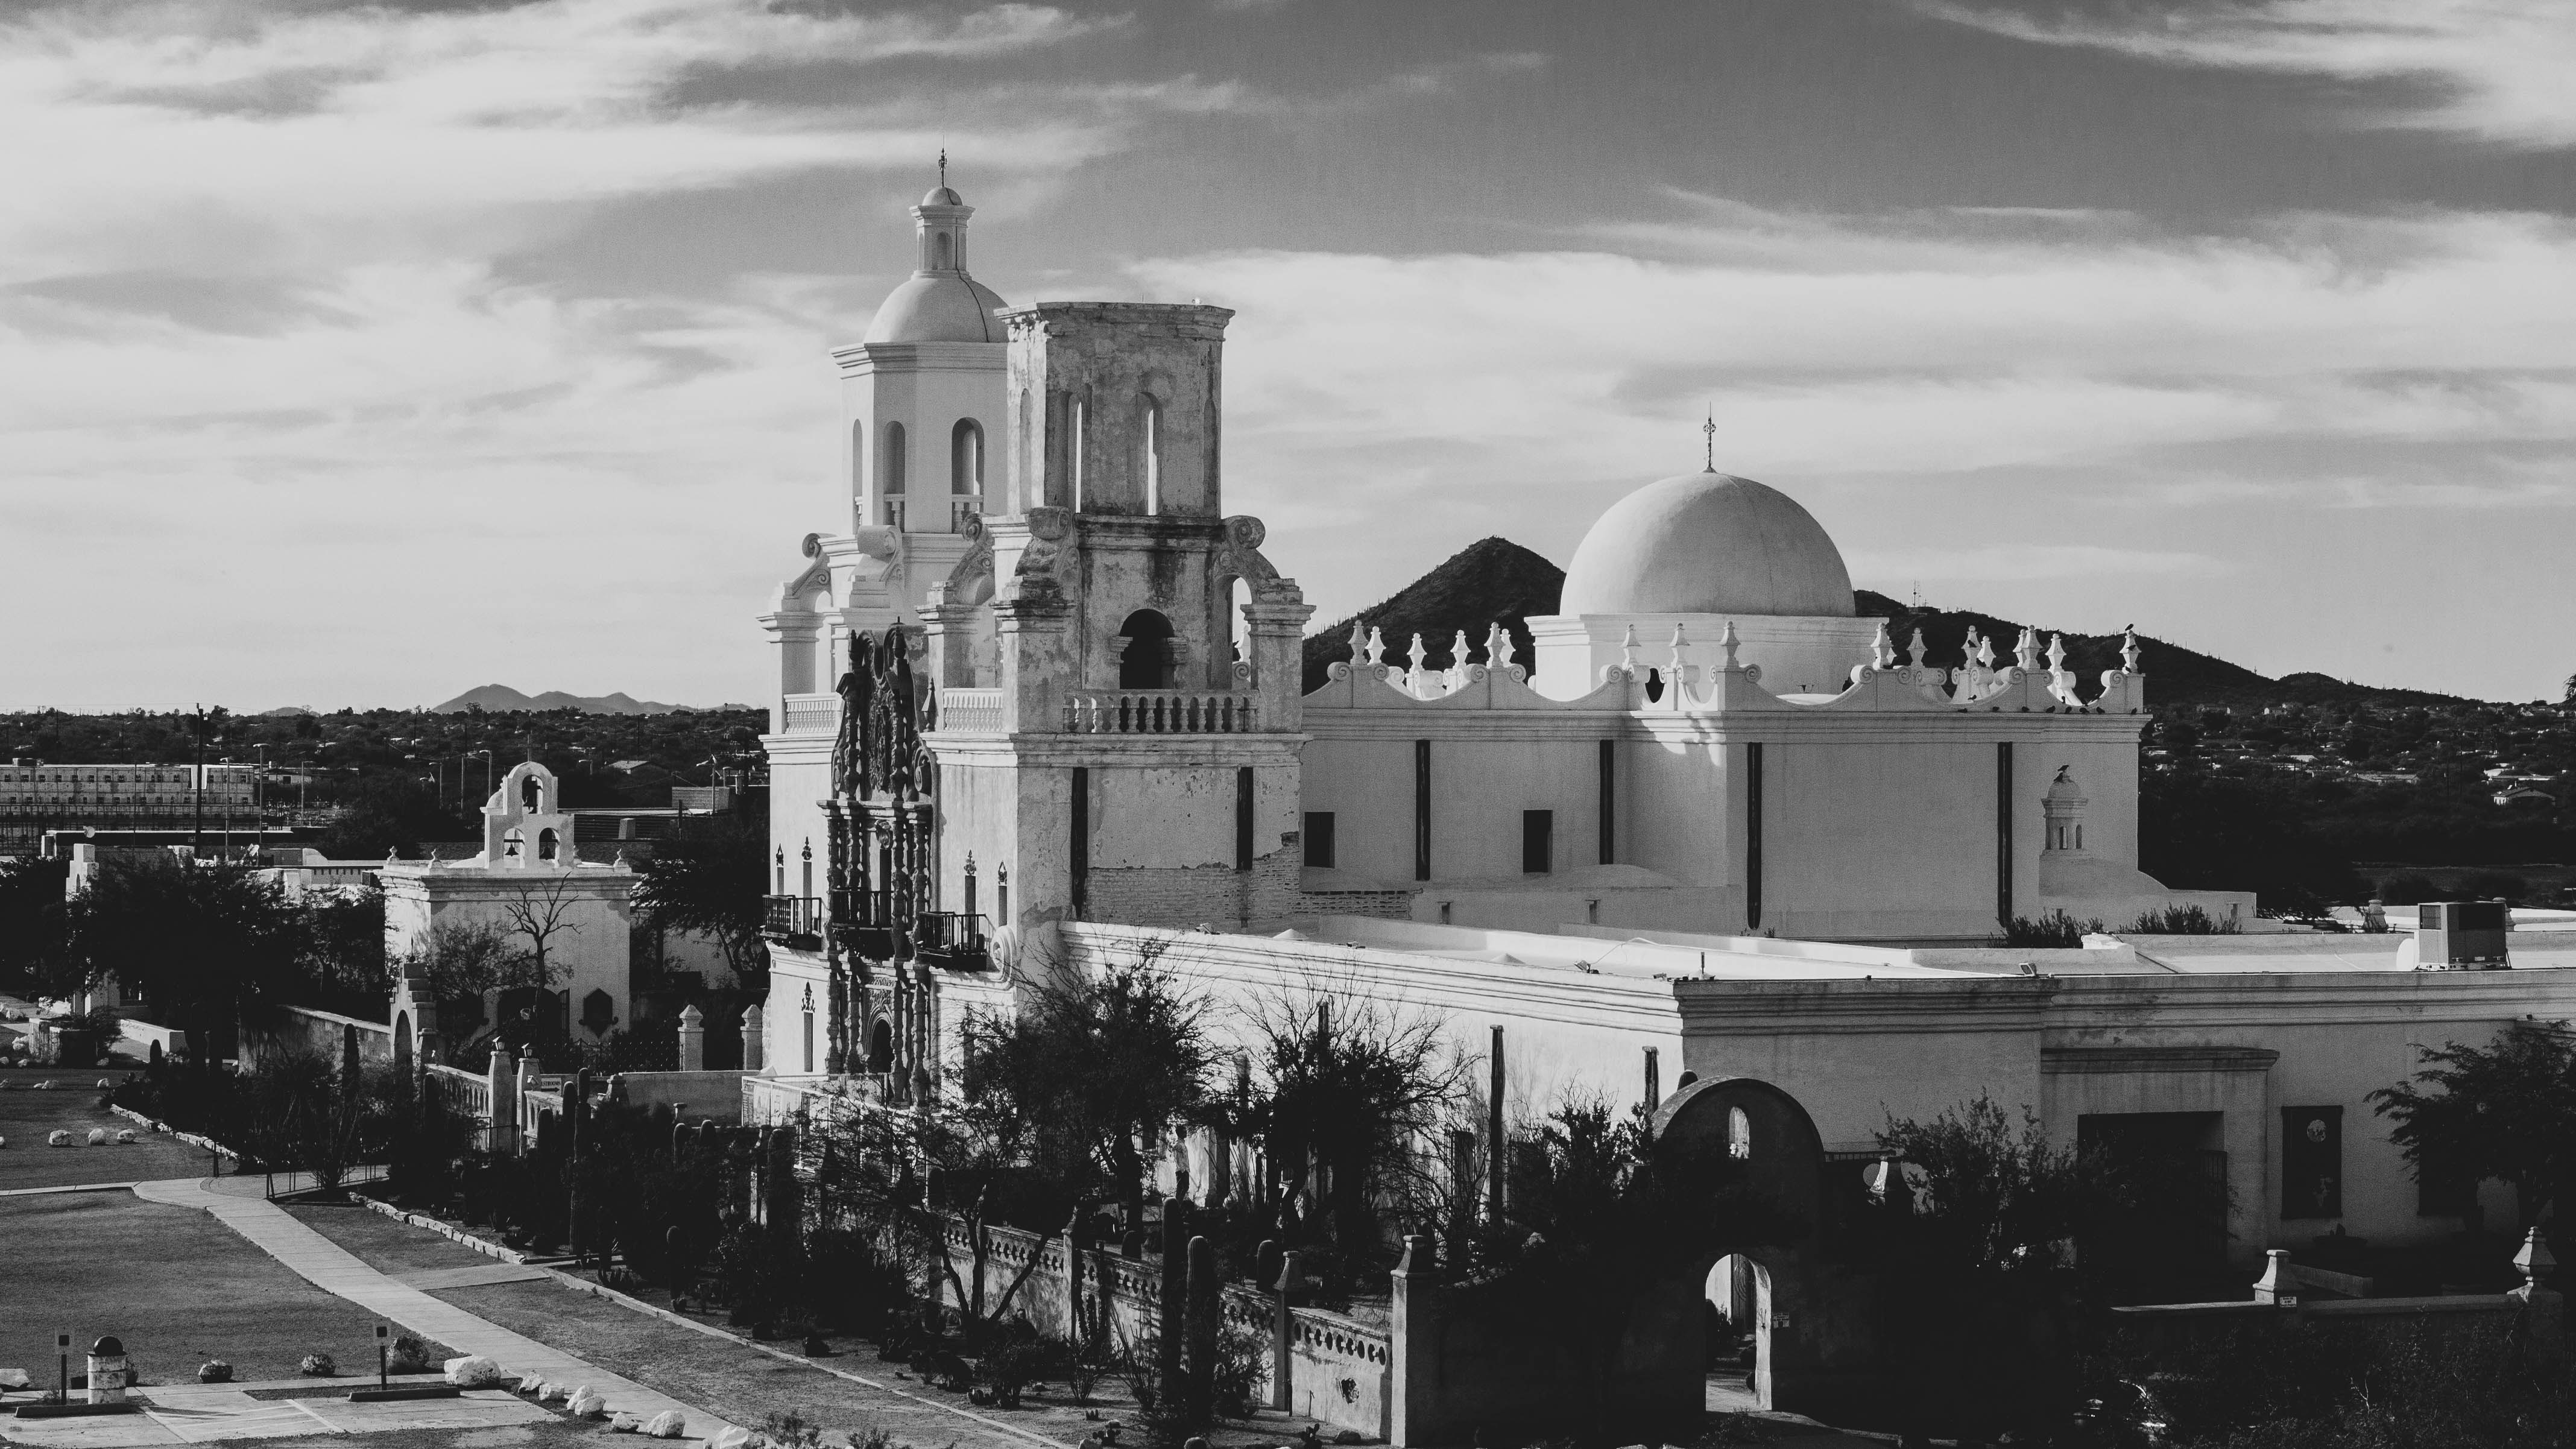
[2311,1163]
[1319,839]
[1538,841]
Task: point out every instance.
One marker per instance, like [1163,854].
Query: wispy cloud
[2494,69]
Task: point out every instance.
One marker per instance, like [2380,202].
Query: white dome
[938,307]
[1708,543]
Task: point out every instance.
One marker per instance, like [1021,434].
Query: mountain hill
[502,699]
[1495,579]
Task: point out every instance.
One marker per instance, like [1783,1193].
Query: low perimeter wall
[1321,1365]
[2171,1328]
[304,1030]
[696,1096]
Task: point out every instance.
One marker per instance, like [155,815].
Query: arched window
[1739,1133]
[881,1047]
[890,474]
[965,472]
[530,793]
[546,845]
[947,252]
[1149,451]
[1146,663]
[858,458]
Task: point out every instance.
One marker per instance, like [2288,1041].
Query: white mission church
[1718,825]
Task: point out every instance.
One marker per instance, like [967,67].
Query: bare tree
[538,911]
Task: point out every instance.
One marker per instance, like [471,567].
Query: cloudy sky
[360,354]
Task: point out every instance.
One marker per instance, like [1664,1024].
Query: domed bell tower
[1127,742]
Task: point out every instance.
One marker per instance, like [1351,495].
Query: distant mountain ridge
[1496,580]
[502,699]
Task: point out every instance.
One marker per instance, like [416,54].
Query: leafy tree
[1089,1074]
[33,923]
[2506,1110]
[707,878]
[1349,1087]
[1599,1221]
[389,815]
[456,959]
[1973,1232]
[205,946]
[345,949]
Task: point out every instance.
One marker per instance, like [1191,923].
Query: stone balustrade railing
[1159,712]
[813,714]
[971,710]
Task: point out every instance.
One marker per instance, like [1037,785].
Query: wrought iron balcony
[951,941]
[791,918]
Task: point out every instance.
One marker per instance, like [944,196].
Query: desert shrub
[2182,921]
[1092,1355]
[1242,1363]
[2054,931]
[791,1430]
[2489,884]
[1015,1359]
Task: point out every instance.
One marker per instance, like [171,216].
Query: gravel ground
[27,1115]
[176,1285]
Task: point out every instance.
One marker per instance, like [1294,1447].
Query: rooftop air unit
[2461,936]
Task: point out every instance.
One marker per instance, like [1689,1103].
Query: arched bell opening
[1145,660]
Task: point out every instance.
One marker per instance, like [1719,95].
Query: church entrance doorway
[1737,1297]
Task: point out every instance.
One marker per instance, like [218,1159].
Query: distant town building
[36,797]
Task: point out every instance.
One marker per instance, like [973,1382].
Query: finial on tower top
[1708,431]
[943,165]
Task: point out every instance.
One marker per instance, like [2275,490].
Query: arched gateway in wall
[1814,1329]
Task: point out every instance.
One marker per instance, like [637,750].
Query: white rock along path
[336,1270]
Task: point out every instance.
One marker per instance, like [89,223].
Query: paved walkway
[334,1269]
[202,1413]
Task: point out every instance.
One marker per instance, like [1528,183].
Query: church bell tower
[1119,668]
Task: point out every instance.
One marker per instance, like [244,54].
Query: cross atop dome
[1709,431]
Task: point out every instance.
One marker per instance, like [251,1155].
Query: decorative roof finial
[1708,430]
[943,165]
[1916,649]
[1882,650]
[2129,649]
[1728,642]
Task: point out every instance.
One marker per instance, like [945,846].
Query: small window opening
[1538,841]
[1319,839]
[1739,1133]
[1150,447]
[546,845]
[890,475]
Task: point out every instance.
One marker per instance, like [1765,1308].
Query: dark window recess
[1422,810]
[1081,840]
[1243,817]
[1319,839]
[1538,841]
[1609,799]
